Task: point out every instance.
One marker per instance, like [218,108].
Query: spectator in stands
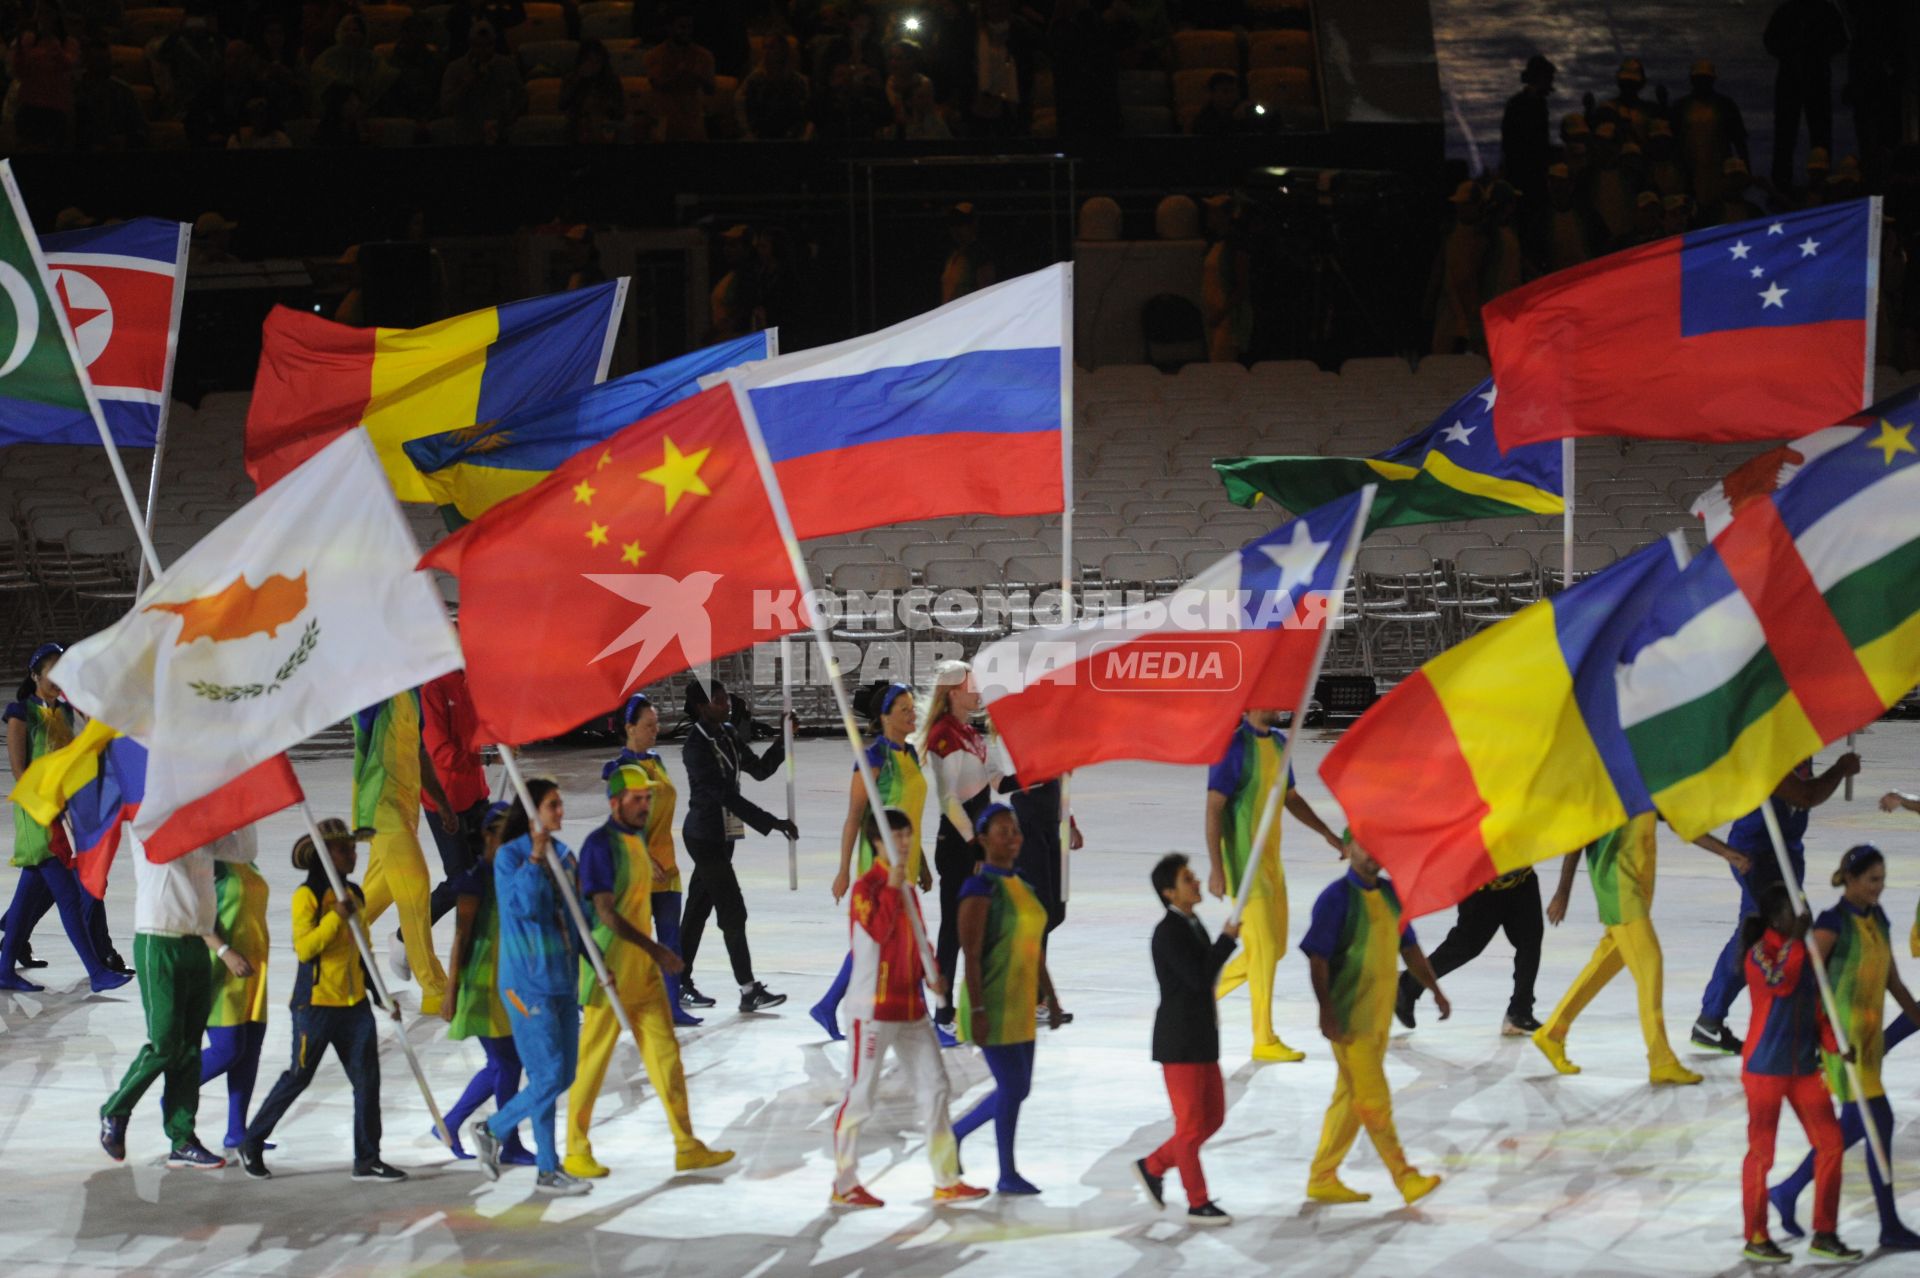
[1644,228]
[106,114]
[1526,143]
[350,61]
[910,95]
[1676,214]
[778,297]
[1576,145]
[1083,47]
[681,73]
[259,129]
[1456,320]
[282,77]
[41,62]
[592,98]
[343,118]
[1503,269]
[1630,110]
[1708,128]
[843,35]
[482,89]
[733,299]
[849,105]
[1740,197]
[1226,283]
[1572,230]
[1225,113]
[212,243]
[463,15]
[1819,170]
[969,266]
[1664,172]
[1804,37]
[415,70]
[773,101]
[1846,182]
[1002,72]
[1608,190]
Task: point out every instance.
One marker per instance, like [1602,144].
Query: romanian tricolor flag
[97,782]
[1506,749]
[318,379]
[473,469]
[1453,469]
[1799,624]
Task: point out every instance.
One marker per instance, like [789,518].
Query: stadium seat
[638,92]
[544,22]
[606,19]
[1190,92]
[826,560]
[547,57]
[1206,50]
[1279,49]
[543,95]
[1150,569]
[142,25]
[130,64]
[383,21]
[1143,88]
[538,130]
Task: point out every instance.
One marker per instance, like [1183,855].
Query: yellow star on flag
[631,553]
[597,533]
[679,474]
[583,493]
[1891,439]
[606,458]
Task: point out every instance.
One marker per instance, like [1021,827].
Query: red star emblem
[76,315]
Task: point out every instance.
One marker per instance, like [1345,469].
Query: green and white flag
[43,382]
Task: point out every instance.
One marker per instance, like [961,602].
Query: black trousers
[459,852]
[953,861]
[1515,911]
[1794,97]
[350,1032]
[715,890]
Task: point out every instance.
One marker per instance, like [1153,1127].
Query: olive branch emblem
[231,692]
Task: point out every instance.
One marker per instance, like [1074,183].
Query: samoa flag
[121,286]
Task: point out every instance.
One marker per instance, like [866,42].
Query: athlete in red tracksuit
[887,1010]
[1781,1064]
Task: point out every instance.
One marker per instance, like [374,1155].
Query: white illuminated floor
[1545,1175]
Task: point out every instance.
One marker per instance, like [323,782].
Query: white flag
[300,609]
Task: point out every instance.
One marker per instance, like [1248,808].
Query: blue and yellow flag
[471,470]
[1451,470]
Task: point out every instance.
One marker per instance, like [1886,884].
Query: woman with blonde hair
[954,751]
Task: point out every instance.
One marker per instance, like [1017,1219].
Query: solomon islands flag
[1454,469]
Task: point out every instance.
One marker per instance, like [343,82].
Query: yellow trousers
[1360,1099]
[397,874]
[1635,947]
[1263,939]
[645,997]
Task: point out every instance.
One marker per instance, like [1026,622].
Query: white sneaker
[561,1185]
[397,957]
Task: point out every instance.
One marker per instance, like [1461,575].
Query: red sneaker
[856,1197]
[958,1192]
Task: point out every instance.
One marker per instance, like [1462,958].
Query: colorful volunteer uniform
[1010,962]
[539,965]
[667,893]
[1247,774]
[478,1012]
[1781,1063]
[889,1014]
[615,859]
[46,878]
[1748,836]
[331,1011]
[237,1025]
[386,799]
[1621,868]
[1359,932]
[49,726]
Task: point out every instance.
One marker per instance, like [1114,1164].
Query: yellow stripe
[474,490]
[1892,661]
[45,788]
[1509,696]
[1510,491]
[1736,782]
[1391,470]
[425,380]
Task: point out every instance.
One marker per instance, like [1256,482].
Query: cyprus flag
[300,609]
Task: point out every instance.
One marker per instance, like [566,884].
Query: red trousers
[1807,1093]
[1199,1107]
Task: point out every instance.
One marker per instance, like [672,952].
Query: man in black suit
[1186,1037]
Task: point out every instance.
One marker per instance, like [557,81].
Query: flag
[467,471]
[1453,469]
[1762,476]
[318,379]
[1798,624]
[1168,679]
[301,608]
[1505,749]
[121,287]
[44,389]
[1758,330]
[98,780]
[958,411]
[650,554]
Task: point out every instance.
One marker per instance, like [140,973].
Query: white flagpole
[744,405]
[1270,810]
[588,946]
[358,927]
[786,704]
[1066,547]
[1566,513]
[166,388]
[119,468]
[613,328]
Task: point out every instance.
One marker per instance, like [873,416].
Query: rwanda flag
[1451,470]
[470,470]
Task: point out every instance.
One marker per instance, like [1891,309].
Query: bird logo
[675,608]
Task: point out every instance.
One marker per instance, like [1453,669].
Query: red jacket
[885,985]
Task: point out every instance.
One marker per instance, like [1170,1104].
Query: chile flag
[1757,330]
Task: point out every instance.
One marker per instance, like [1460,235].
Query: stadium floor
[1590,1175]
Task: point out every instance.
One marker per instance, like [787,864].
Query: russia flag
[959,411]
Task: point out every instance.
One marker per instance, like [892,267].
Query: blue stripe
[547,347]
[1536,465]
[1841,473]
[538,438]
[1000,392]
[25,422]
[1705,583]
[1593,621]
[153,238]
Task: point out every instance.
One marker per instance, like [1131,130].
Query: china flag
[638,558]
